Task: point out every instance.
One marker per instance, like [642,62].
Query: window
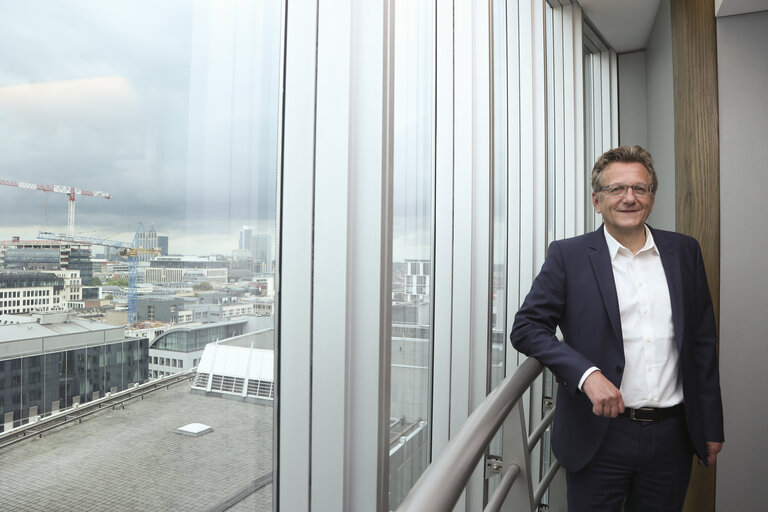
[414,168]
[172,107]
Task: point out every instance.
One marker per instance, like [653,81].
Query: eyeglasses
[618,190]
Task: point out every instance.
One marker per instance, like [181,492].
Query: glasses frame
[635,191]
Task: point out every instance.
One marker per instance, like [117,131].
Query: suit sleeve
[705,355]
[535,326]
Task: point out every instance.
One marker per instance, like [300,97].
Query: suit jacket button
[619,369]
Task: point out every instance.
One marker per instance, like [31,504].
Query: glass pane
[138,196]
[414,69]
[501,62]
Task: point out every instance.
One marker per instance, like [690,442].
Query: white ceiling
[626,24]
[731,7]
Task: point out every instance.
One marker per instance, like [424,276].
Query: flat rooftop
[133,458]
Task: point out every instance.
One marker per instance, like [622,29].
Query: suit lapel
[671,263]
[600,259]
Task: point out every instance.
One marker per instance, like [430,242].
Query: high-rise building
[147,240]
[162,244]
[263,250]
[246,238]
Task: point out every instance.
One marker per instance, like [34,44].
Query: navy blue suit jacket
[575,291]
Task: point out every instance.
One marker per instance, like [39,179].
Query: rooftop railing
[35,425]
[441,485]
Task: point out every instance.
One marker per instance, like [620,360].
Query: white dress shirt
[651,376]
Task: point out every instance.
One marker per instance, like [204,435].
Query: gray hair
[624,154]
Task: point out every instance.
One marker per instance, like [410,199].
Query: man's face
[624,215]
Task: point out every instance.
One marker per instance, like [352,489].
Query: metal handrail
[441,485]
[500,494]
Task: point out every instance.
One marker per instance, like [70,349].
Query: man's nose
[630,196]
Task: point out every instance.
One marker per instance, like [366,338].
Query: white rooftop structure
[234,368]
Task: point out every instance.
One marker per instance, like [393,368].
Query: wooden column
[697,165]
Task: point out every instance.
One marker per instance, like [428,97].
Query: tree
[117,282]
[95,281]
[203,287]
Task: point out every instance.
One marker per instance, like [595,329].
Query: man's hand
[713,449]
[605,397]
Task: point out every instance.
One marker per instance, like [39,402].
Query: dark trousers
[642,466]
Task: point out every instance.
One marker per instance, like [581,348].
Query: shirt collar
[614,245]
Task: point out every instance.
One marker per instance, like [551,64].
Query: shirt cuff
[587,374]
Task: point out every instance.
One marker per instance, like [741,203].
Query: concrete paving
[133,459]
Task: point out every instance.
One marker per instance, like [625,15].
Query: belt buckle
[635,418]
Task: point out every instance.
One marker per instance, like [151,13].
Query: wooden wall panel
[697,164]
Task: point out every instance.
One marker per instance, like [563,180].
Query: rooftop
[133,459]
[39,326]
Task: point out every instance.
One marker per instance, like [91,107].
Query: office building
[181,348]
[47,360]
[246,239]
[162,244]
[147,240]
[47,255]
[185,269]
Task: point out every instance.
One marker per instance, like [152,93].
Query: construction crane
[61,189]
[126,250]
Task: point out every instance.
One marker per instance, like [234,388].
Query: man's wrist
[587,373]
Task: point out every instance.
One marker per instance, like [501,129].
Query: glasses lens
[617,190]
[641,190]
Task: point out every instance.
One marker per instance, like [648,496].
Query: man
[639,386]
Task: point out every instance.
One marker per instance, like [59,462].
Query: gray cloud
[170,106]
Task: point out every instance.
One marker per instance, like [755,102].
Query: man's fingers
[605,397]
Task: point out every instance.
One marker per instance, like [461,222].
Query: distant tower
[162,243]
[263,251]
[246,238]
[147,240]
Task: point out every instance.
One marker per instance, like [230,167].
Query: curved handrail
[441,485]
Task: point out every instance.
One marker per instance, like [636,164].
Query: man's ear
[595,203]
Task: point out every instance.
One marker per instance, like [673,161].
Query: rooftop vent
[194,429]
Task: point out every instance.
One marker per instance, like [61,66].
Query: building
[153,308]
[27,291]
[72,294]
[49,360]
[162,244]
[181,348]
[146,240]
[246,239]
[47,255]
[182,269]
[417,281]
[241,367]
[263,250]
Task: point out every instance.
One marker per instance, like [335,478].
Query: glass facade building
[58,377]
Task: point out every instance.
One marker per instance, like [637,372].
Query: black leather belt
[652,413]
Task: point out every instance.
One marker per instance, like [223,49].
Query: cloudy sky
[168,105]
